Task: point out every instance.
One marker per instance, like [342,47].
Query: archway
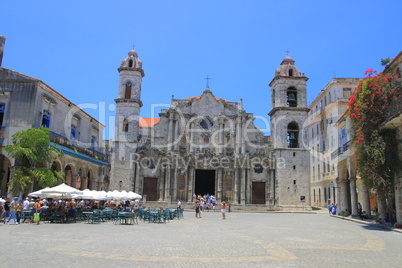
[5,165]
[204,182]
[68,173]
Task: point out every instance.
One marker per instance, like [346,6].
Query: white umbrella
[40,194]
[63,189]
[91,195]
[133,195]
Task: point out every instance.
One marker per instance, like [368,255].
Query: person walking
[12,207]
[37,208]
[223,210]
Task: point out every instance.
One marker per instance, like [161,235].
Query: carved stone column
[170,131]
[343,195]
[236,186]
[167,184]
[364,197]
[219,194]
[176,134]
[137,178]
[353,196]
[242,186]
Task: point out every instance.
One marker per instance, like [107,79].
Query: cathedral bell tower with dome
[128,106]
[288,115]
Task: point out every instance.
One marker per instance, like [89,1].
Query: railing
[393,110]
[77,146]
[340,150]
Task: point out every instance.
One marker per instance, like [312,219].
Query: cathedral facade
[208,145]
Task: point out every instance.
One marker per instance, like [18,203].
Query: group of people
[13,209]
[207,202]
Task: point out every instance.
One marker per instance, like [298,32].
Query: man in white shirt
[26,204]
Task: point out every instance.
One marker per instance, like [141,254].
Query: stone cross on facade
[207,78]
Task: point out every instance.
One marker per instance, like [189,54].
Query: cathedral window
[291,95]
[73,132]
[2,109]
[127,92]
[293,135]
[125,125]
[46,119]
[290,72]
[206,123]
[258,168]
[130,63]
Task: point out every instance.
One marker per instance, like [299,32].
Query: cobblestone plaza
[243,240]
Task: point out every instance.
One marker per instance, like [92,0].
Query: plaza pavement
[242,240]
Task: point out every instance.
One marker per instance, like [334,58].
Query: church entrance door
[258,193]
[204,182]
[151,188]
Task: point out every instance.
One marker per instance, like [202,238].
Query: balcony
[77,147]
[393,110]
[340,150]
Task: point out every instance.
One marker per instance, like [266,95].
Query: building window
[290,72]
[73,133]
[2,109]
[46,119]
[130,63]
[93,142]
[293,135]
[291,95]
[127,92]
[347,92]
[125,125]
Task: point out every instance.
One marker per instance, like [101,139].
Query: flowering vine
[375,147]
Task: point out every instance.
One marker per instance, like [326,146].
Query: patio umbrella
[40,194]
[63,189]
[132,195]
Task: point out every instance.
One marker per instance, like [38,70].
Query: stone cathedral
[205,144]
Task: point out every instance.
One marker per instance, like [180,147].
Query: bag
[36,216]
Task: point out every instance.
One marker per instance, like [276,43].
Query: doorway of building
[258,193]
[204,182]
[150,188]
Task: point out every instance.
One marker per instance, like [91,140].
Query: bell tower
[288,115]
[128,104]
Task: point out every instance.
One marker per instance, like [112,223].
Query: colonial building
[27,102]
[327,162]
[206,144]
[393,121]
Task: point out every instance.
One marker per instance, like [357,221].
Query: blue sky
[76,46]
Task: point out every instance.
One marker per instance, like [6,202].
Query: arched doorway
[5,165]
[68,173]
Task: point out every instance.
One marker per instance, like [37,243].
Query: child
[223,210]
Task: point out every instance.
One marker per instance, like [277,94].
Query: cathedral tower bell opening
[204,182]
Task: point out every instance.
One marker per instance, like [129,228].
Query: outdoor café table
[124,217]
[87,214]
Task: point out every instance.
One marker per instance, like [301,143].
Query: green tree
[32,150]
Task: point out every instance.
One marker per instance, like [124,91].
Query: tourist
[12,208]
[178,204]
[37,208]
[26,204]
[223,210]
[359,209]
[197,209]
[18,210]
